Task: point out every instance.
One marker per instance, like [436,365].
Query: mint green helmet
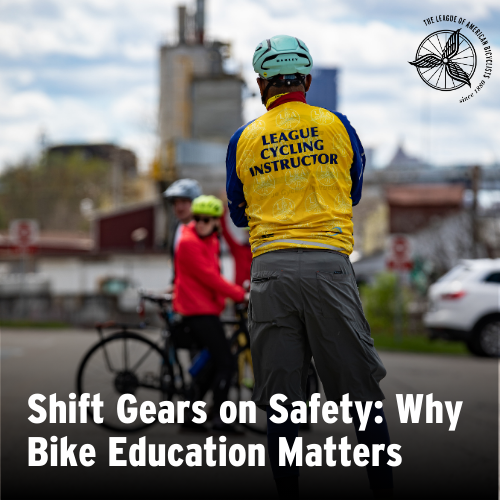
[282,55]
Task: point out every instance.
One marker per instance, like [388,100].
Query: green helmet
[207,205]
[282,55]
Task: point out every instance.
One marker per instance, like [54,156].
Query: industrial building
[323,91]
[200,105]
[110,153]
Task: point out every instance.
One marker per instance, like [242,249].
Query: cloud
[84,28]
[25,105]
[379,91]
[87,70]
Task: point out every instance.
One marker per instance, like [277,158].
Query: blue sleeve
[234,186]
[358,159]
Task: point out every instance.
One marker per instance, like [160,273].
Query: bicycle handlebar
[162,298]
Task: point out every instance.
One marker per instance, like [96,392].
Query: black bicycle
[151,368]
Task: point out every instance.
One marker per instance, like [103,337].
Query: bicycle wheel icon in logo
[446,60]
[288,119]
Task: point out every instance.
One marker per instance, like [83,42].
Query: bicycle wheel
[125,363]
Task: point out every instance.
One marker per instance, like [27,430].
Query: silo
[200,103]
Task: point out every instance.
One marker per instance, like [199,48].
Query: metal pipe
[181,11]
[199,21]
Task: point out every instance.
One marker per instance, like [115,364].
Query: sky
[87,71]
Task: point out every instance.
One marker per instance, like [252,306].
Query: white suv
[464,305]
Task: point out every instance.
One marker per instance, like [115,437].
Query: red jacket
[199,287]
[241,253]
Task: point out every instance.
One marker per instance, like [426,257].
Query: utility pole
[398,308]
[476,179]
[116,177]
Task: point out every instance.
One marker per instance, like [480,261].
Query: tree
[51,190]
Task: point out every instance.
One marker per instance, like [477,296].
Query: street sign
[399,253]
[23,233]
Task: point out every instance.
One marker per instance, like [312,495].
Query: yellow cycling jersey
[296,167]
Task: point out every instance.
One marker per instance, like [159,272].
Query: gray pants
[302,304]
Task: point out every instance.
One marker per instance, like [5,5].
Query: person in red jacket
[200,293]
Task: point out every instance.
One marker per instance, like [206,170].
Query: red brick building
[413,207]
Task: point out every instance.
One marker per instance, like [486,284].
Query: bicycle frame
[118,356]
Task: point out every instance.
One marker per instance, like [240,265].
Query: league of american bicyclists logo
[447,60]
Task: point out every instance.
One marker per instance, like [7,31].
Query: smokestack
[181,10]
[199,21]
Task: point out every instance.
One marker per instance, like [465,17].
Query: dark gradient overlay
[437,464]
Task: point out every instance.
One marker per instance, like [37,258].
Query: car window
[493,277]
[454,273]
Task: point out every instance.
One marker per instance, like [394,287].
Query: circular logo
[264,185]
[288,119]
[322,116]
[343,205]
[254,129]
[446,60]
[283,209]
[296,179]
[326,175]
[315,203]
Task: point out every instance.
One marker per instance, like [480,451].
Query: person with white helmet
[293,176]
[181,194]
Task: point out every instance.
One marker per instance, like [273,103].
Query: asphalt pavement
[436,462]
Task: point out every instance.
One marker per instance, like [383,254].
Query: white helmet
[183,188]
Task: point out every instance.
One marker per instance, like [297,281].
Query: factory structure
[323,92]
[200,105]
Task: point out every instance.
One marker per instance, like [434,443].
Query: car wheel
[472,346]
[489,338]
[486,339]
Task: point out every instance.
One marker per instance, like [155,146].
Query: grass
[26,323]
[418,343]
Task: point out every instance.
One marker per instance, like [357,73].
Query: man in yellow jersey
[293,176]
